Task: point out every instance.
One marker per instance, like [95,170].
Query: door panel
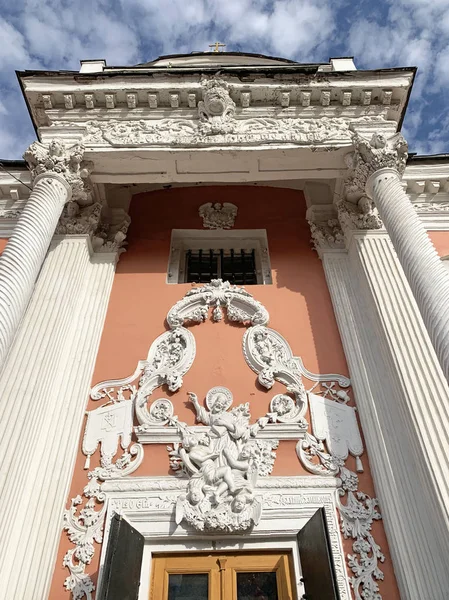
[243,576]
[316,559]
[121,579]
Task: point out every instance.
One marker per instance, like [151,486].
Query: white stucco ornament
[324,452]
[336,424]
[222,462]
[106,426]
[216,110]
[218,216]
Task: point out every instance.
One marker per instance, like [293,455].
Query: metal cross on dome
[216,46]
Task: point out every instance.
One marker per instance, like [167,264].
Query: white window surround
[240,239]
[147,503]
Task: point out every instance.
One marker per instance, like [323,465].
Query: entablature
[200,108]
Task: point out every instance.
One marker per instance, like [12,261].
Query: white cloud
[286,27]
[56,34]
[13,54]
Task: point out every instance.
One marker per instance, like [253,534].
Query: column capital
[370,156]
[65,162]
[106,227]
[355,208]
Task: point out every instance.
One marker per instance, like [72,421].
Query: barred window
[236,266]
[238,256]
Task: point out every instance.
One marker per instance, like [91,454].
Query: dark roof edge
[409,93]
[296,67]
[199,53]
[427,158]
[13,163]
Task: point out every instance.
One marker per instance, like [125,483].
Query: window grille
[236,266]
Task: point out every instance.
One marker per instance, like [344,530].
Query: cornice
[175,93]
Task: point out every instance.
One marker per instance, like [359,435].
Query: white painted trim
[169,435]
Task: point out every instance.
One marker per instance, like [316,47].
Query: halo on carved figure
[220,394]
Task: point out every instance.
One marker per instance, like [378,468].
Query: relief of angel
[222,466]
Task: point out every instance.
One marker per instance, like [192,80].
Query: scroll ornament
[85,527]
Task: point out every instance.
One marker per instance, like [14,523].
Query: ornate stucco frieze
[67,162]
[10,214]
[218,216]
[191,133]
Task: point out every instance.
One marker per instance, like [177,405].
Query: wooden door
[231,576]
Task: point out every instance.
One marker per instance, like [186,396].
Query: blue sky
[56,34]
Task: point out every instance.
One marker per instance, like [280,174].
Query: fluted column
[25,252]
[59,175]
[44,392]
[426,274]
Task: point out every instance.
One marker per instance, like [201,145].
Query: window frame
[183,240]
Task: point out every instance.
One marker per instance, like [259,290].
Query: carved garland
[223,457]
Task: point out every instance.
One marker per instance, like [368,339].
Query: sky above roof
[56,34]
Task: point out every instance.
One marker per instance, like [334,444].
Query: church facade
[224,336]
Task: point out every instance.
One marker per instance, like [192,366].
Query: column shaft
[46,382]
[25,252]
[428,278]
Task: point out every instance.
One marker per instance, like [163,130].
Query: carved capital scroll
[67,162]
[356,210]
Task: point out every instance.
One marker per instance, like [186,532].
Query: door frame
[147,503]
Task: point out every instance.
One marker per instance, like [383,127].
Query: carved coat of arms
[218,216]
